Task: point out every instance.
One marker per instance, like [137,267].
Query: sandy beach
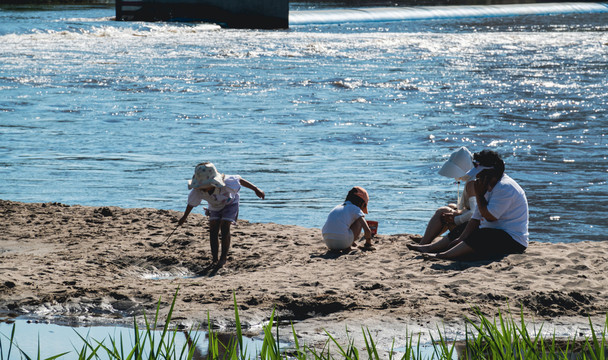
[106,264]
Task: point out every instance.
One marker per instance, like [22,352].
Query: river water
[104,113]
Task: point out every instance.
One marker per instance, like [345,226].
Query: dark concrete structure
[245,14]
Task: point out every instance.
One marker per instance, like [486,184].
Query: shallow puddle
[167,276]
[425,351]
[53,339]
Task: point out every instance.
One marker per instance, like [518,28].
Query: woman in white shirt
[499,225]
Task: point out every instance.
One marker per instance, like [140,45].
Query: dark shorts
[493,242]
[228,213]
[455,232]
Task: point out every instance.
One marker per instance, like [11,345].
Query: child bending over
[222,194]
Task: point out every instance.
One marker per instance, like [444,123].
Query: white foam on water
[384,14]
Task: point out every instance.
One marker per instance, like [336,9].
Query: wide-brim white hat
[206,174]
[458,164]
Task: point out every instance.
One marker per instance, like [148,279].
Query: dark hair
[355,199]
[491,159]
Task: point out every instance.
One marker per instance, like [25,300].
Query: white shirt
[220,197]
[341,218]
[508,204]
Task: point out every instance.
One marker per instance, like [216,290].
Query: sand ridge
[110,263]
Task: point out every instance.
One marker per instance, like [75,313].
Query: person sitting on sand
[454,217]
[222,194]
[451,217]
[500,223]
[345,221]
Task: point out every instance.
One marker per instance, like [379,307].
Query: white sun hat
[206,174]
[458,164]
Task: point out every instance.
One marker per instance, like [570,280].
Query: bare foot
[221,263]
[430,256]
[419,248]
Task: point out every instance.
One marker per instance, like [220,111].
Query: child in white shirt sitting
[345,221]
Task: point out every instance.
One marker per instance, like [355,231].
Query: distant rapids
[384,14]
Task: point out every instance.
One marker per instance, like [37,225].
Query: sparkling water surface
[104,113]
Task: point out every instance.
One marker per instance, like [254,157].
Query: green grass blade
[269,345]
[373,348]
[239,330]
[165,328]
[342,351]
[10,347]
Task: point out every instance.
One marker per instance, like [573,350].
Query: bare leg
[214,229]
[435,227]
[458,251]
[438,246]
[225,225]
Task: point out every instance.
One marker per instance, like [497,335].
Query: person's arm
[186,213]
[467,214]
[448,218]
[249,185]
[469,204]
[462,217]
[481,187]
[366,230]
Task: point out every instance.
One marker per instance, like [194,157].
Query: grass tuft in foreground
[502,338]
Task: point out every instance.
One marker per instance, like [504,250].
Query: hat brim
[458,164]
[451,170]
[215,182]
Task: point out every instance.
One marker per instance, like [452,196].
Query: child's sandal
[367,247]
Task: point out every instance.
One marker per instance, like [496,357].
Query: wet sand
[106,264]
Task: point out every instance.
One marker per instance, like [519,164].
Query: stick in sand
[169,235]
[161,244]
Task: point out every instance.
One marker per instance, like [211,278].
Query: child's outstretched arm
[186,213]
[249,185]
